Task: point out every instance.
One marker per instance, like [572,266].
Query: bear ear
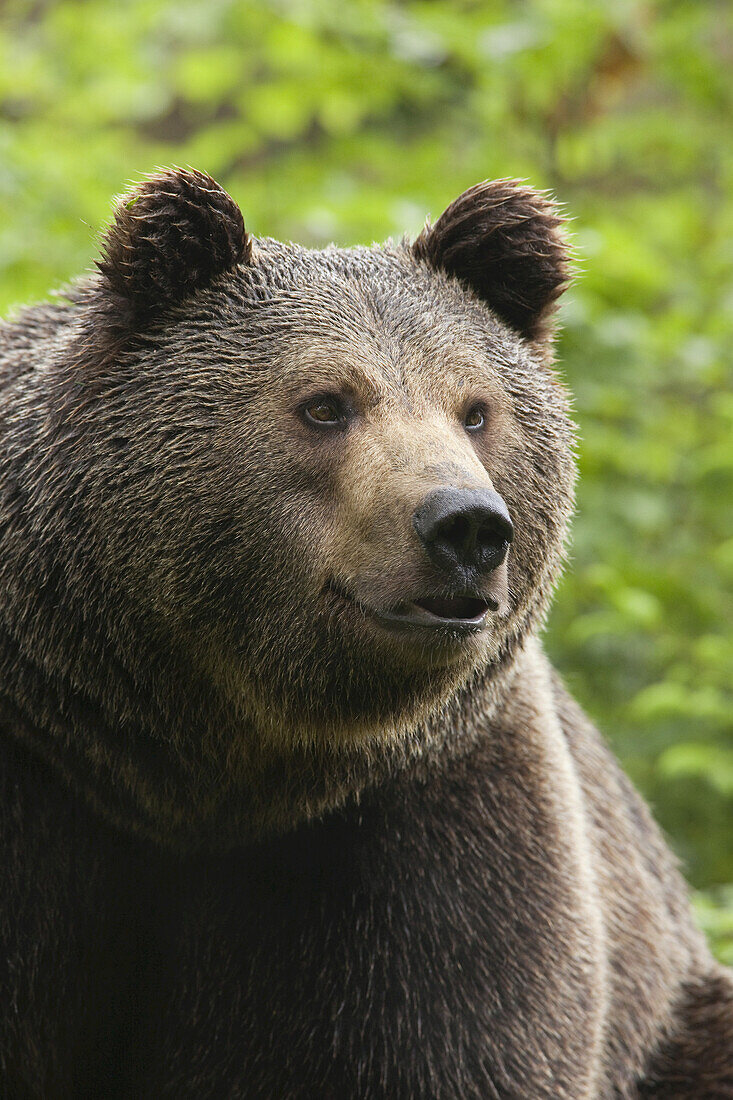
[505,241]
[171,235]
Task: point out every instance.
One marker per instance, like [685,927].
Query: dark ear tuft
[171,235]
[505,241]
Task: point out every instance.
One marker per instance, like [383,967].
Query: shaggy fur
[254,843]
[506,241]
[172,235]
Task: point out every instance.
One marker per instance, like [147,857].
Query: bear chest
[378,955]
[434,941]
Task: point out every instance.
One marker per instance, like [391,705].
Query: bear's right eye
[325,412]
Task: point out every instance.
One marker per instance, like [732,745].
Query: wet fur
[251,848]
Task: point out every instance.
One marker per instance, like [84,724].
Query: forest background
[349,120]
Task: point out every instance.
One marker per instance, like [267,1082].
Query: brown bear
[293,805]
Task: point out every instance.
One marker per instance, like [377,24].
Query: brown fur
[506,241]
[256,844]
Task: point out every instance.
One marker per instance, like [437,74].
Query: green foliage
[349,121]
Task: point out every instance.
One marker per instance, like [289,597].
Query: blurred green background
[350,120]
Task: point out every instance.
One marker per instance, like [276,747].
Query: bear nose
[464,530]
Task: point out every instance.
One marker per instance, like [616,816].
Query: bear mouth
[440,611]
[467,613]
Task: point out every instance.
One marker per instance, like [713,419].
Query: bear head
[299,501]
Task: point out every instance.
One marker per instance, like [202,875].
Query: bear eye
[326,412]
[475,418]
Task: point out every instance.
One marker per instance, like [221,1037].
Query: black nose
[464,530]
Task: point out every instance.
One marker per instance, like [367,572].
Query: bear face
[318,492]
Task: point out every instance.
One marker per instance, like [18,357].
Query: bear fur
[265,834]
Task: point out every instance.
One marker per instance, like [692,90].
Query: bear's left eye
[324,411]
[475,418]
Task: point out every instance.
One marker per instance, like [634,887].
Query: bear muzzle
[465,534]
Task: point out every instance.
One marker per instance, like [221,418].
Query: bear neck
[181,782]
